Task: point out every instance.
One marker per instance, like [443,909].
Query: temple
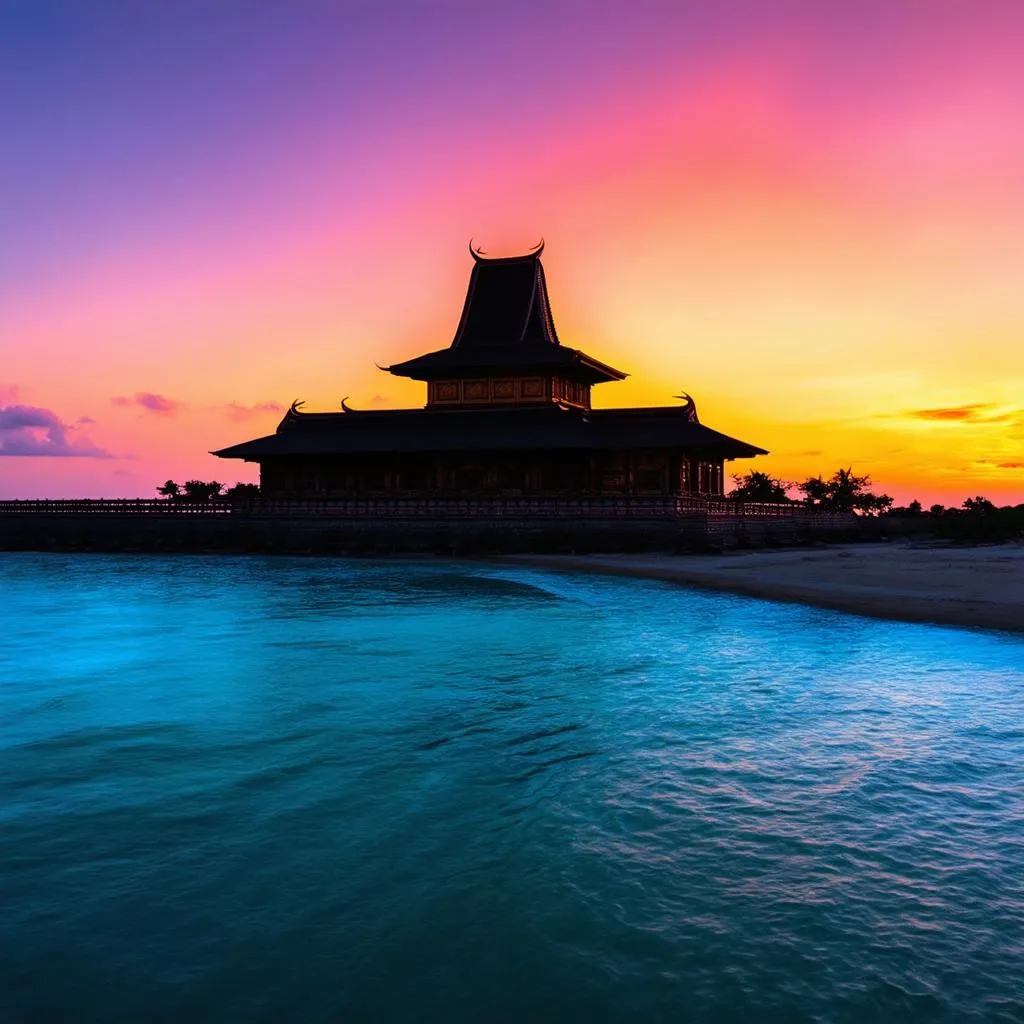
[508,414]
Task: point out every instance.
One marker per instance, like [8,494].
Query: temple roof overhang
[506,360]
[550,428]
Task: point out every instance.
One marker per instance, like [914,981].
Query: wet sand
[981,587]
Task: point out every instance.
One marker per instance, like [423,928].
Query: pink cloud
[150,401]
[239,413]
[31,431]
[155,403]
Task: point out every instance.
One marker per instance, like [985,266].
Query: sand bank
[981,587]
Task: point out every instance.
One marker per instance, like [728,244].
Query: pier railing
[423,508]
[118,506]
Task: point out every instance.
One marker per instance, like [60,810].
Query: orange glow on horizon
[821,243]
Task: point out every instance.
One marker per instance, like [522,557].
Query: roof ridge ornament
[293,410]
[346,408]
[479,255]
[690,409]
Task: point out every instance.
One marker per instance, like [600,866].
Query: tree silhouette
[757,486]
[979,506]
[844,491]
[243,492]
[815,491]
[201,490]
[169,490]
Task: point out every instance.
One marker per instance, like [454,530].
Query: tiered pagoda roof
[506,328]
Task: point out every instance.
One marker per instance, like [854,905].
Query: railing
[421,508]
[727,507]
[120,506]
[521,507]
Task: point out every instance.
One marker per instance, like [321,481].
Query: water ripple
[270,789]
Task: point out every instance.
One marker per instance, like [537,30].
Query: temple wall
[645,473]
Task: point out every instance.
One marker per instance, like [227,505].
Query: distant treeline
[977,519]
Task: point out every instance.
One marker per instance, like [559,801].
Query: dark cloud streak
[979,413]
[954,413]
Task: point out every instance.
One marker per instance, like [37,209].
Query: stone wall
[241,532]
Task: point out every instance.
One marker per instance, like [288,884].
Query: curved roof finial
[345,408]
[690,409]
[295,407]
[478,254]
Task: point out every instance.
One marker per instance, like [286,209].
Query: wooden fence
[125,506]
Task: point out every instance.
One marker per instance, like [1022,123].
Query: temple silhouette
[508,414]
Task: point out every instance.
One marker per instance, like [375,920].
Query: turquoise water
[275,789]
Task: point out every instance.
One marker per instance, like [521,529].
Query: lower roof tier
[433,430]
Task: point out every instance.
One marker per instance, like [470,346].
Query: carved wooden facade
[523,390]
[512,474]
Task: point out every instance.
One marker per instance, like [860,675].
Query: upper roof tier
[506,327]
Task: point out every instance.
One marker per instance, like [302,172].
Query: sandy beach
[981,587]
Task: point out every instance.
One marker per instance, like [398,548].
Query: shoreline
[976,588]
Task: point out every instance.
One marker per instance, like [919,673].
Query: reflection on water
[291,789]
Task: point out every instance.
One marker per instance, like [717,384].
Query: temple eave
[540,429]
[453,363]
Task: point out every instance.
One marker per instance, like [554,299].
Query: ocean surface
[265,789]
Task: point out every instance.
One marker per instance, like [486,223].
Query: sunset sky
[808,215]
